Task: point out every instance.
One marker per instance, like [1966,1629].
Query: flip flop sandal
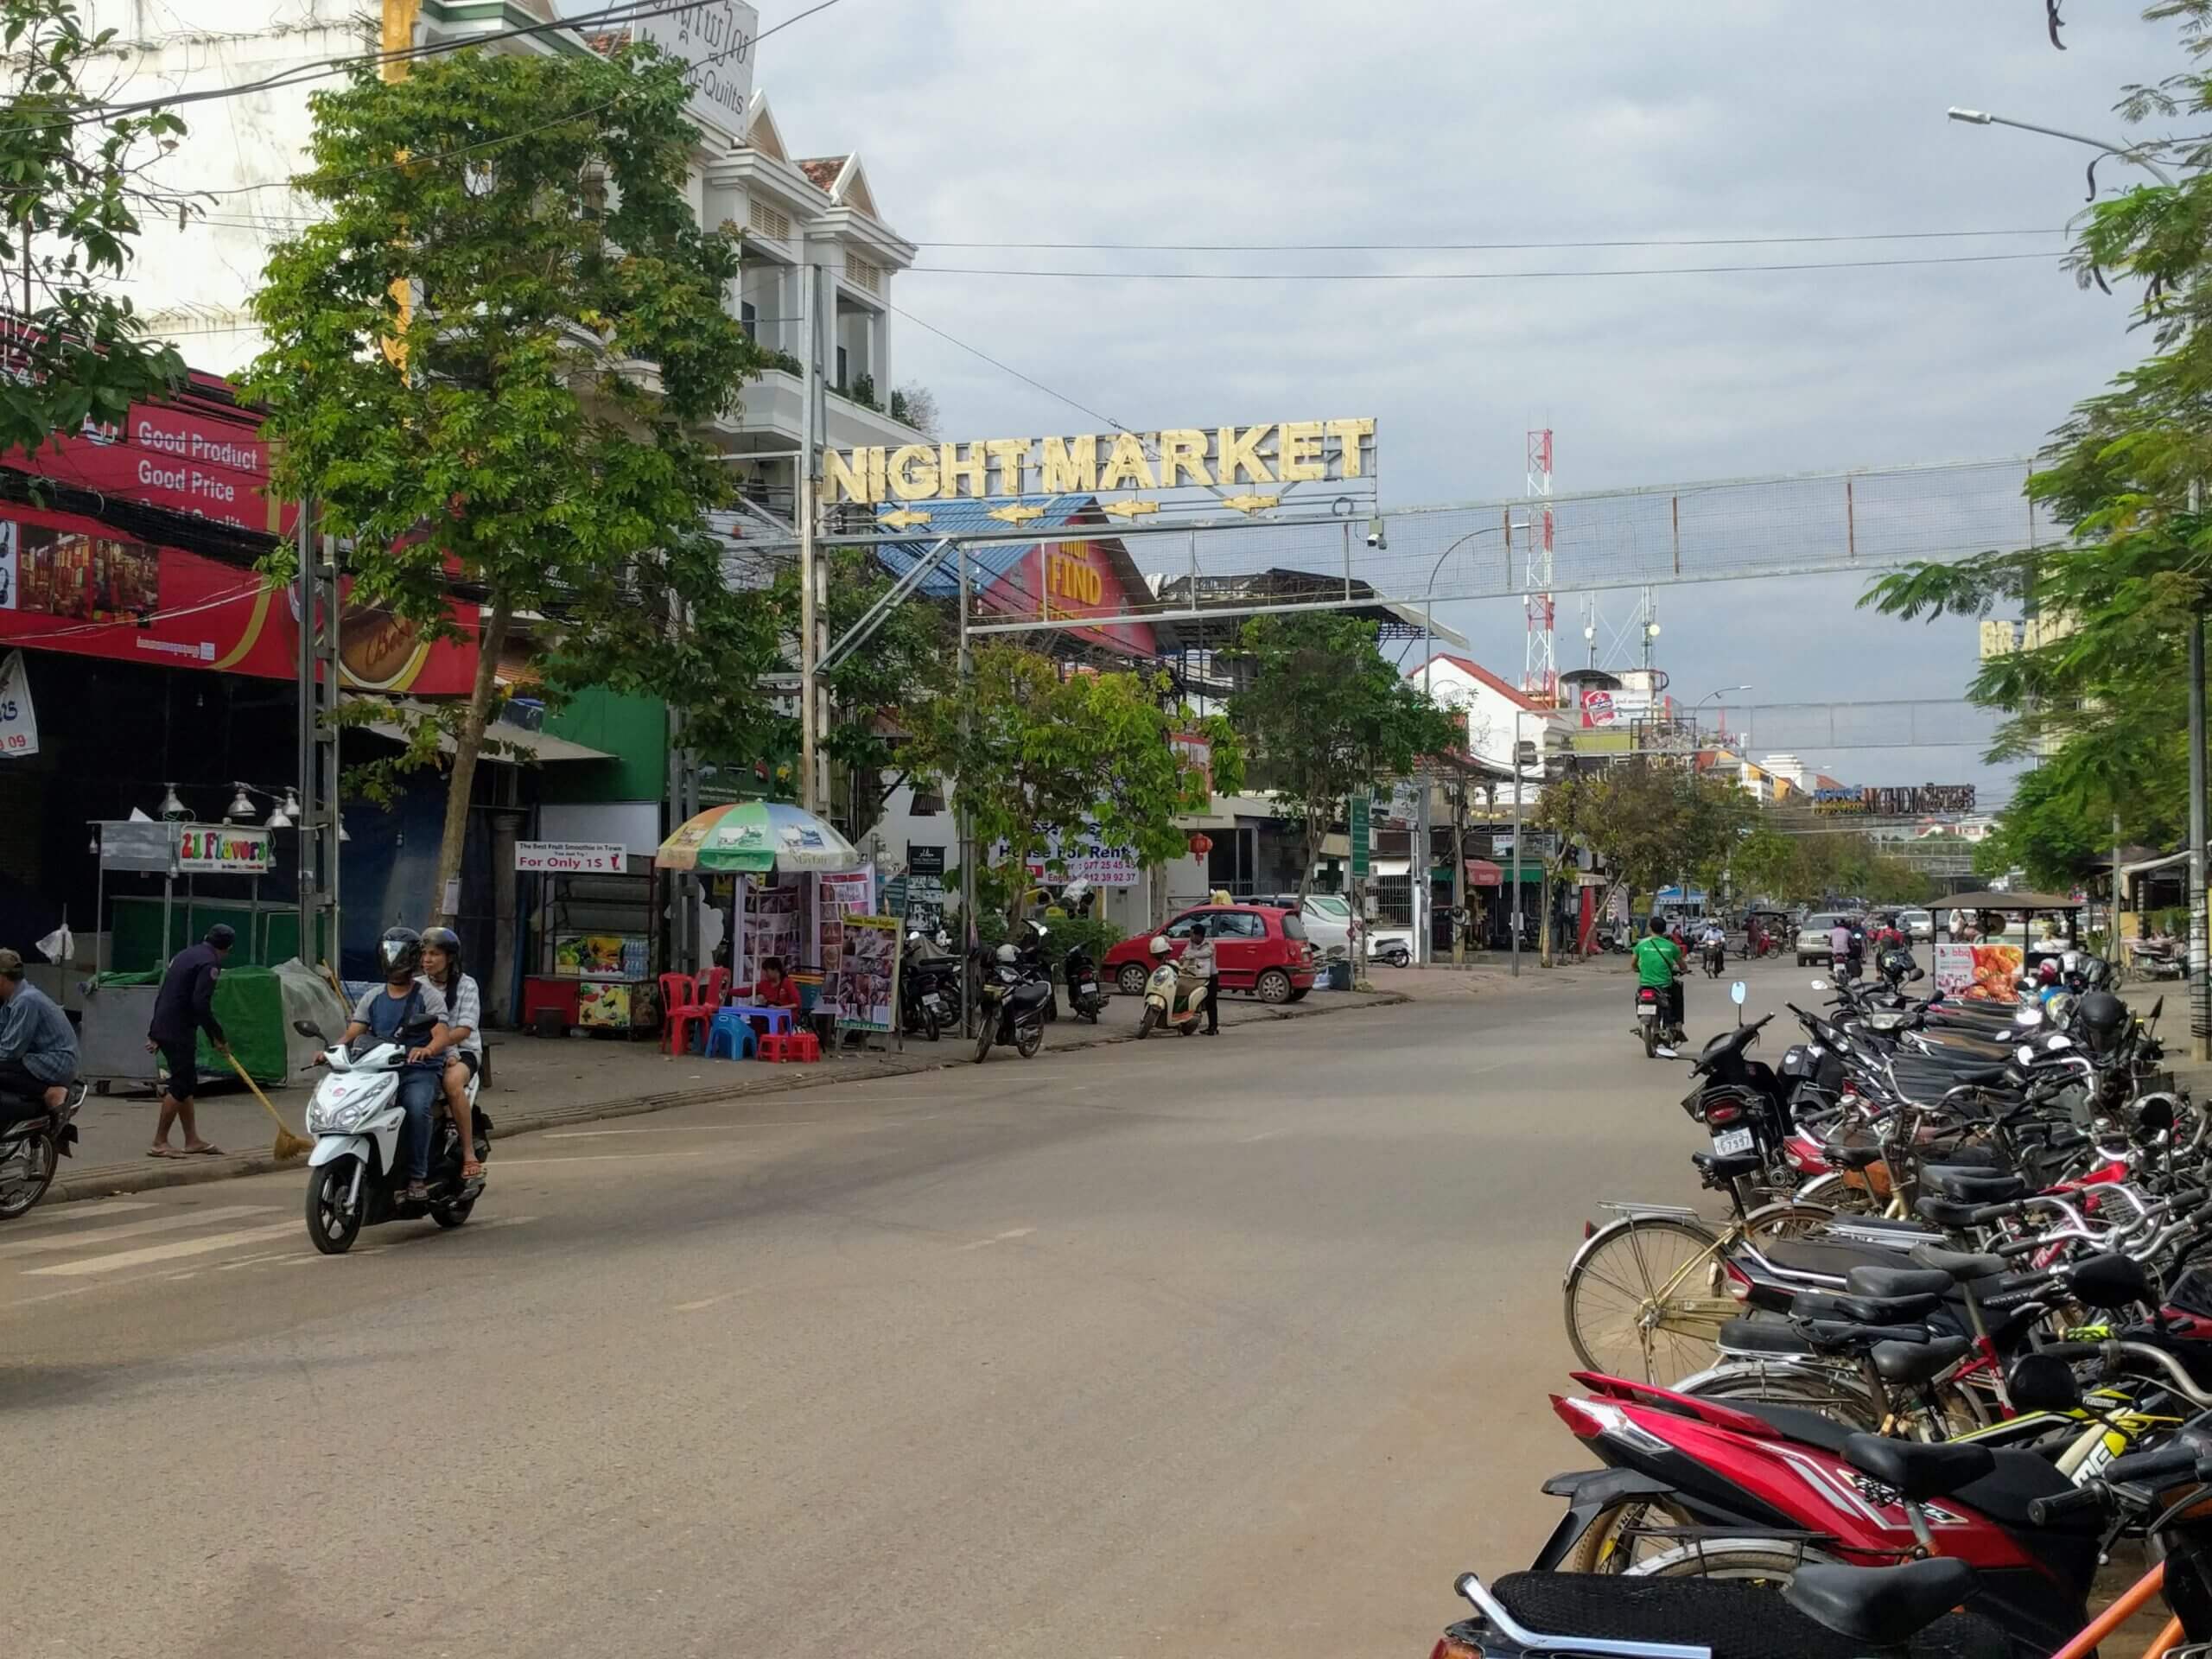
[163,1152]
[209,1151]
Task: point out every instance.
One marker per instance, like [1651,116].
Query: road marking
[100,1210]
[998,1238]
[708,1301]
[1264,1134]
[594,1158]
[685,1129]
[154,1253]
[169,1223]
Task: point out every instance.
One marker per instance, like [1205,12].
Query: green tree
[489,363]
[1041,757]
[2097,693]
[1326,714]
[1646,823]
[73,188]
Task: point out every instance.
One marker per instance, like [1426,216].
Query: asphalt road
[1199,1347]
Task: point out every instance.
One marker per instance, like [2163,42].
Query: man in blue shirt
[38,1050]
[183,1007]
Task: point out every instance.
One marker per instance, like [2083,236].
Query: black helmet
[2096,975]
[400,951]
[2099,1015]
[1896,964]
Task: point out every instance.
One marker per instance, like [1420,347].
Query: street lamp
[2200,1009]
[1684,889]
[1428,599]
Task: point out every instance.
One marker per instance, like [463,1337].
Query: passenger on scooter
[1659,966]
[38,1051]
[410,1012]
[463,1050]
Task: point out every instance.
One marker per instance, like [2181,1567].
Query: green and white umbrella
[753,837]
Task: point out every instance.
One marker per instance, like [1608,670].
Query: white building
[193,283]
[1497,713]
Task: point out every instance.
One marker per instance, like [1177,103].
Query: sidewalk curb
[117,1179]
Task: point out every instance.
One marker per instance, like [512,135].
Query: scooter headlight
[339,1109]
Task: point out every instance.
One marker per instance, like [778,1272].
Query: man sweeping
[185,1007]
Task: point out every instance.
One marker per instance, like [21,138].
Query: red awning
[1481,872]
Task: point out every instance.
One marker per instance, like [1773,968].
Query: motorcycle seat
[1882,1606]
[1731,1621]
[1854,1157]
[1975,1186]
[1820,1259]
[1909,1364]
[1862,1310]
[1845,1337]
[1946,1213]
[1724,1170]
[1770,1336]
[1916,1469]
[1898,1281]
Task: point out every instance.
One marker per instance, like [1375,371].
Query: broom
[288,1145]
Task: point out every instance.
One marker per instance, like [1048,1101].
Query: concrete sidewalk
[538,1083]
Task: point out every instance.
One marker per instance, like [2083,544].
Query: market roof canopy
[753,838]
[2009,901]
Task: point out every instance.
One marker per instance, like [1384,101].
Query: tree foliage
[489,362]
[1044,759]
[2097,693]
[1648,822]
[76,189]
[1327,716]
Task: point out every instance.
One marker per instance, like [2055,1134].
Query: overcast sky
[1461,121]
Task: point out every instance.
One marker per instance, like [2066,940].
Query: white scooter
[1173,1001]
[354,1177]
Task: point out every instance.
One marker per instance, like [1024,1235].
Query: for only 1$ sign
[572,857]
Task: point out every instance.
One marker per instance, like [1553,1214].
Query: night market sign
[1272,453]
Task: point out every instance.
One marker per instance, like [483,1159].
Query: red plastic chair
[680,1012]
[713,987]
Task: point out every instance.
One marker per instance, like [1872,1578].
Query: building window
[767,222]
[748,317]
[841,382]
[863,276]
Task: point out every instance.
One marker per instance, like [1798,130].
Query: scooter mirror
[2156,1117]
[1920,972]
[306,1030]
[2041,1383]
[1737,992]
[2110,1281]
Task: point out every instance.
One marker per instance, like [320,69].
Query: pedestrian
[183,1007]
[38,1050]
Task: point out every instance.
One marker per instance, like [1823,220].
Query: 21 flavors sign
[223,849]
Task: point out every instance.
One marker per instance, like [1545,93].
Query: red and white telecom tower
[1539,667]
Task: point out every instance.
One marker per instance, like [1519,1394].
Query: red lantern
[1201,844]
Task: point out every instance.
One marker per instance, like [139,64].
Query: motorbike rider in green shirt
[1659,966]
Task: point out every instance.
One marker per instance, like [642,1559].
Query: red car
[1261,949]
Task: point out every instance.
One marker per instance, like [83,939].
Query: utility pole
[810,438]
[1518,713]
[966,821]
[1460,871]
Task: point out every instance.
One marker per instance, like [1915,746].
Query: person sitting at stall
[774,988]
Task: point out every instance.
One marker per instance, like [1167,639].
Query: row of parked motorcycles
[1948,1352]
[1013,984]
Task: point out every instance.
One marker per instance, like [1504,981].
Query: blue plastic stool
[733,1034]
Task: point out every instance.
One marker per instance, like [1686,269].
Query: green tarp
[250,1003]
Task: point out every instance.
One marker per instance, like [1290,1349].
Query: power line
[1466,276]
[1006,368]
[1474,247]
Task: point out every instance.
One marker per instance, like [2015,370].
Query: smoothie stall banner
[72,584]
[863,987]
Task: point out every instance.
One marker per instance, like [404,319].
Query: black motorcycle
[929,989]
[33,1138]
[1716,960]
[1086,996]
[1012,1007]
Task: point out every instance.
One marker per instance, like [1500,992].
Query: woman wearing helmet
[407,1011]
[464,1042]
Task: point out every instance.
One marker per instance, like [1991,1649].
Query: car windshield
[1329,905]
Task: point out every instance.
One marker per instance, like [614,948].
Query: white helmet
[1159,945]
[1007,953]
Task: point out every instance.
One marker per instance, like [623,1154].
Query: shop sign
[1224,457]
[1906,801]
[717,40]
[1101,866]
[223,849]
[1597,709]
[572,857]
[1358,830]
[18,721]
[925,860]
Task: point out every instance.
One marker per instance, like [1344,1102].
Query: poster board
[768,916]
[838,896]
[1978,973]
[600,956]
[863,986]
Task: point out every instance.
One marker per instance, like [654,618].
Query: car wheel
[1131,979]
[1274,985]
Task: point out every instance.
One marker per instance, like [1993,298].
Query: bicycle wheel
[1839,1396]
[1786,1219]
[1645,1296]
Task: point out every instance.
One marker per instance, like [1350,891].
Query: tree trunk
[1544,913]
[461,785]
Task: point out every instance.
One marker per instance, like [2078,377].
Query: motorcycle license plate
[1646,1011]
[932,1001]
[1731,1143]
[1089,988]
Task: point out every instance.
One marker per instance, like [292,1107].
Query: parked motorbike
[32,1146]
[353,1175]
[1011,1005]
[1173,1001]
[929,987]
[1086,996]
